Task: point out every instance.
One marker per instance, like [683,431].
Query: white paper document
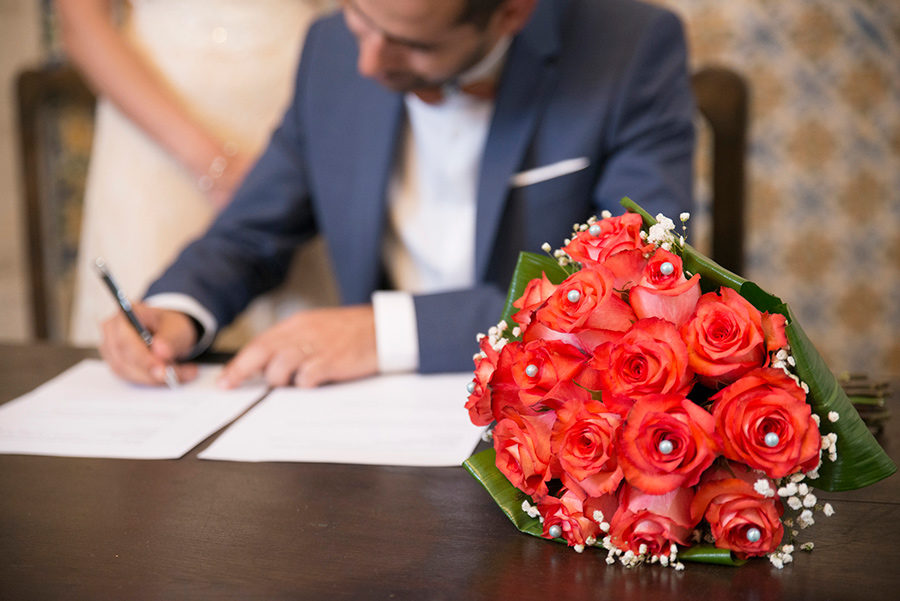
[88,412]
[414,420]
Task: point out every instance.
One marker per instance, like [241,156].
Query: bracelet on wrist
[217,167]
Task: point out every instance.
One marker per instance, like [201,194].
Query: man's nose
[374,55]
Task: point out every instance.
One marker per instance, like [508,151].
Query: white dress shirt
[429,244]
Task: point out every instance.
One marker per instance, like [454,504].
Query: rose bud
[765,422]
[663,291]
[650,358]
[653,521]
[479,401]
[583,440]
[584,304]
[665,443]
[564,518]
[740,518]
[536,292]
[727,337]
[522,444]
[606,238]
[527,371]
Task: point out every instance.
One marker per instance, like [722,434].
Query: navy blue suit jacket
[606,80]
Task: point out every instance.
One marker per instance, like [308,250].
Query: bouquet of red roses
[651,403]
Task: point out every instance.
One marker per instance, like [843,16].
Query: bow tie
[483,90]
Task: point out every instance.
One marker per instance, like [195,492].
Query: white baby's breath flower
[833,416]
[809,500]
[794,503]
[788,490]
[805,520]
[764,487]
[828,510]
[807,546]
[684,217]
[546,247]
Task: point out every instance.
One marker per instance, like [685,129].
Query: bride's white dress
[232,63]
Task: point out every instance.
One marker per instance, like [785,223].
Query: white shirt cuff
[396,333]
[189,306]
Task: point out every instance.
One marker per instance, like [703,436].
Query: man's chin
[403,85]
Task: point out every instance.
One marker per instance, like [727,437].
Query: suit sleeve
[248,248]
[650,143]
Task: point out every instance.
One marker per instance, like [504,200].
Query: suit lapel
[380,114]
[527,79]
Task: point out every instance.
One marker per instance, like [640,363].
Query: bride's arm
[118,73]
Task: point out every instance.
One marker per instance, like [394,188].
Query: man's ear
[511,16]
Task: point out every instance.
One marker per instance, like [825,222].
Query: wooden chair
[55,109]
[722,99]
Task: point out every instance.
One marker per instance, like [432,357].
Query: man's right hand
[125,352]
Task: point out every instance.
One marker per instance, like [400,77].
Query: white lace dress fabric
[232,63]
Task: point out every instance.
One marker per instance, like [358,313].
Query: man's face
[409,44]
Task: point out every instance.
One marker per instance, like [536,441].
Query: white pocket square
[540,174]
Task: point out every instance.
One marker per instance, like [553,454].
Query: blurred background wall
[823,208]
[20,46]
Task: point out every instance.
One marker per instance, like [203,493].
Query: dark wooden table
[190,529]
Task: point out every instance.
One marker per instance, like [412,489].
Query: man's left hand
[308,349]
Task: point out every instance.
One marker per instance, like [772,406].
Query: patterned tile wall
[823,214]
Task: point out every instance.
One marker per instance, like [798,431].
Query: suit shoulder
[617,14]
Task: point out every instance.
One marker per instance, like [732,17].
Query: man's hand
[310,348]
[125,352]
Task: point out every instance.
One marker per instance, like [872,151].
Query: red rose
[627,268]
[727,337]
[522,444]
[583,441]
[741,519]
[606,238]
[765,422]
[650,358]
[527,371]
[663,291]
[653,522]
[584,303]
[567,513]
[479,401]
[666,443]
[536,292]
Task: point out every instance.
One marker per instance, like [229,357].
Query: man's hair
[478,12]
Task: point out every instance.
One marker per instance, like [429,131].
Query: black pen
[125,305]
